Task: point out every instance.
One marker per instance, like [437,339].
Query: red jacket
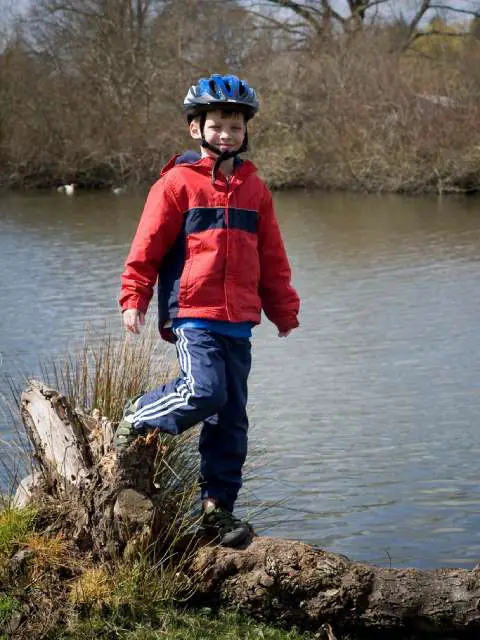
[215,249]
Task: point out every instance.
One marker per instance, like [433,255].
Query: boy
[208,233]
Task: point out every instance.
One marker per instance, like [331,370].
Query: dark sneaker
[126,433]
[229,530]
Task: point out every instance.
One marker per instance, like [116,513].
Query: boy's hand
[133,320]
[284,334]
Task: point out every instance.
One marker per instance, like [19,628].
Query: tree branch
[292,27]
[424,7]
[330,11]
[300,10]
[445,7]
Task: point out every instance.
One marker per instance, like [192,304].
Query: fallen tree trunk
[109,504]
[290,581]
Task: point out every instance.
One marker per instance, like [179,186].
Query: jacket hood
[204,165]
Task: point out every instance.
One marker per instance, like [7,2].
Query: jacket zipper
[227,222]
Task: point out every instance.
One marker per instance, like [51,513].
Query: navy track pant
[212,389]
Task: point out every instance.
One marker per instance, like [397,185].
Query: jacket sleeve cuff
[286,324]
[134,304]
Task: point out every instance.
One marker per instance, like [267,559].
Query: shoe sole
[235,540]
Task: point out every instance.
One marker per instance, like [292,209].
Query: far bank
[354,114]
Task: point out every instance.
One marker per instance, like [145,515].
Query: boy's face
[222,130]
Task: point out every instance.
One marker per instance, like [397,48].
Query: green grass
[15,525]
[175,624]
[8,606]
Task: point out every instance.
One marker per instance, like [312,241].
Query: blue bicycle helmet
[227,93]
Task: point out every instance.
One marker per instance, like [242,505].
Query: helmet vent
[218,91]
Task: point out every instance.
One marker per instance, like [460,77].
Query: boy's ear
[195,129]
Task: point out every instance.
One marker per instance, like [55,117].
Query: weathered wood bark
[104,501]
[109,503]
[290,581]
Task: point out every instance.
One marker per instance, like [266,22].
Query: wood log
[107,504]
[292,582]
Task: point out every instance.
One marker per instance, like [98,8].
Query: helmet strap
[222,155]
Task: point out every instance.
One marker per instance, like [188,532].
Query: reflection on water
[364,422]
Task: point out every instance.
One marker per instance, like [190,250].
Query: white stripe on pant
[184,391]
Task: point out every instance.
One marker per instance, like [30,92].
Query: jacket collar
[192,159]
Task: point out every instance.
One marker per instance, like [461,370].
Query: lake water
[365,422]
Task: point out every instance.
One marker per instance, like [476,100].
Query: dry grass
[49,554]
[108,371]
[93,588]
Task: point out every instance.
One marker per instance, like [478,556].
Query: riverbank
[413,147]
[103,542]
[384,108]
[355,176]
[58,578]
[50,590]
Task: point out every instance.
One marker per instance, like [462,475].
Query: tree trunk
[104,501]
[108,504]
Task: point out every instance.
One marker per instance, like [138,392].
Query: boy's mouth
[227,147]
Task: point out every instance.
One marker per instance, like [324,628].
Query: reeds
[107,371]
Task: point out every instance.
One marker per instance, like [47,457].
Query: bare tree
[91,90]
[319,16]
